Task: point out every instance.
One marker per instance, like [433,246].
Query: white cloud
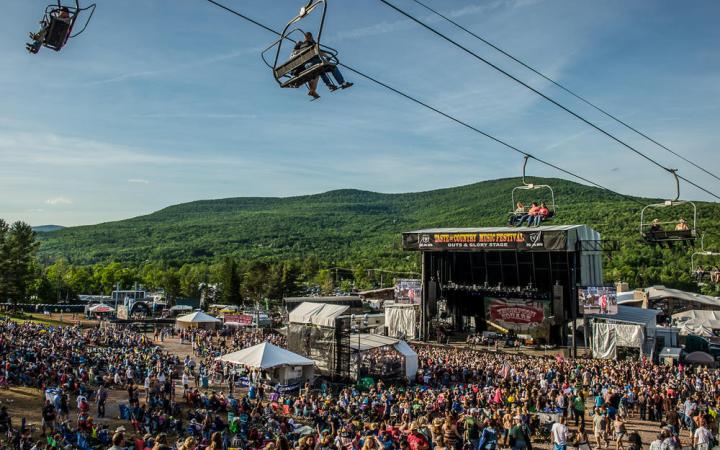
[58,201]
[60,150]
[138,181]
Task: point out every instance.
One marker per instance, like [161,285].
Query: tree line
[24,279]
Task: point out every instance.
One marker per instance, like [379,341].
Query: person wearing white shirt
[702,437]
[559,433]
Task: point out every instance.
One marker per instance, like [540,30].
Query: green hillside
[343,225]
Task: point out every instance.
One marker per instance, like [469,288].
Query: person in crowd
[559,433]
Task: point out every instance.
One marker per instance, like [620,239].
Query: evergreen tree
[4,262]
[230,282]
[21,249]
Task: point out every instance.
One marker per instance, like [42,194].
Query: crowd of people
[461,398]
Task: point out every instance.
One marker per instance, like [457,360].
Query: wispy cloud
[138,181]
[57,201]
[195,115]
[148,73]
[61,150]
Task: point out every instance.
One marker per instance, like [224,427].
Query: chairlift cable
[566,89]
[546,97]
[446,115]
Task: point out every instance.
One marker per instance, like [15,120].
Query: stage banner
[408,290]
[519,315]
[241,319]
[539,240]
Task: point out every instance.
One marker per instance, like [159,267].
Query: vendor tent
[197,319]
[281,365]
[265,356]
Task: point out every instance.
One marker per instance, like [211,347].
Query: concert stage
[504,278]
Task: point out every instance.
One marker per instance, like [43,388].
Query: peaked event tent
[282,365]
[197,319]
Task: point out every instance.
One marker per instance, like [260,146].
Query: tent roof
[631,314]
[197,317]
[661,292]
[697,314]
[321,314]
[366,341]
[265,356]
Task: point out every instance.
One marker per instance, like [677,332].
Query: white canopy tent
[282,365]
[197,319]
[697,322]
[363,342]
[321,314]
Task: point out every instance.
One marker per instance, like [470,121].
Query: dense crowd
[460,399]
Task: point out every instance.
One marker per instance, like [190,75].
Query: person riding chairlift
[541,215]
[63,13]
[517,215]
[312,85]
[530,216]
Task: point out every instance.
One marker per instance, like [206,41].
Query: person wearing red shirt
[417,441]
[541,215]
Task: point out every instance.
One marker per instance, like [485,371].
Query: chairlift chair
[658,236]
[702,253]
[306,64]
[57,30]
[552,207]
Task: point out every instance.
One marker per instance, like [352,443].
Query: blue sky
[167,101]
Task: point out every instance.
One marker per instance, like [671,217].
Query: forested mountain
[46,228]
[360,227]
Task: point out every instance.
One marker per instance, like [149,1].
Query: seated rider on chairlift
[541,215]
[309,42]
[63,13]
[530,216]
[517,215]
[655,226]
[682,225]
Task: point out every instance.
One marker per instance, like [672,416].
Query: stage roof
[322,314]
[543,238]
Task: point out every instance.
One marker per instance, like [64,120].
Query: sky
[162,102]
